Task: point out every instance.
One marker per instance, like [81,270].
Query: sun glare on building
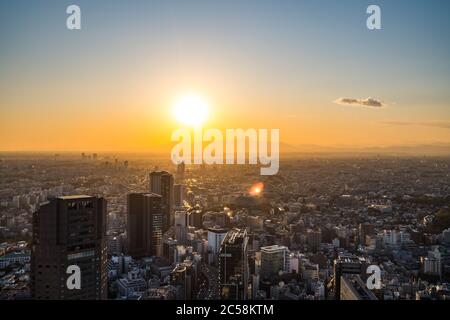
[256,189]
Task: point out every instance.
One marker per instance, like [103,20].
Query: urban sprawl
[146,229]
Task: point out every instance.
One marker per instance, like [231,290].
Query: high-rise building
[273,260]
[310,271]
[183,278]
[69,231]
[196,218]
[365,229]
[169,249]
[181,168]
[233,265]
[145,224]
[346,264]
[215,238]
[432,265]
[314,239]
[115,243]
[181,226]
[179,190]
[353,288]
[161,182]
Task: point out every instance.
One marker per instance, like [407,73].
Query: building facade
[69,231]
[145,224]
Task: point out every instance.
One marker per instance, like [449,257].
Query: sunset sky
[259,64]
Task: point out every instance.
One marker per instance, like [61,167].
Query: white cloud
[369,102]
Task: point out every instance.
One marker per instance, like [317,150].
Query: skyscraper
[181,226]
[183,279]
[215,237]
[179,190]
[233,265]
[161,182]
[181,168]
[67,231]
[314,239]
[346,264]
[196,218]
[353,288]
[145,224]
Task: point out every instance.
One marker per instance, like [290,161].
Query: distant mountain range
[422,149]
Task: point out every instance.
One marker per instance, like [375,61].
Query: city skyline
[374,228]
[239,157]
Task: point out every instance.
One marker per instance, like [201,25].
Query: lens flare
[256,189]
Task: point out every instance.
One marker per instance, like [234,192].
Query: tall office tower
[365,229]
[179,190]
[114,243]
[196,218]
[181,168]
[181,226]
[353,288]
[346,264]
[161,182]
[215,238]
[314,239]
[434,263]
[183,279]
[145,224]
[69,231]
[233,265]
[169,248]
[273,260]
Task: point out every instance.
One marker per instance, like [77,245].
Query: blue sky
[297,53]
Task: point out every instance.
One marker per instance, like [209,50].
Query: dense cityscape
[142,228]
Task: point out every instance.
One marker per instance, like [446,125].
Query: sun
[191,109]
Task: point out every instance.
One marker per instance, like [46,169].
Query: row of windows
[80,255]
[75,205]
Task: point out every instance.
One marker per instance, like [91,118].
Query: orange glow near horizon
[88,92]
[144,122]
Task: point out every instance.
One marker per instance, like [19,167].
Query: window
[72,205]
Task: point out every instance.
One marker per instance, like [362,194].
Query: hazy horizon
[441,149]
